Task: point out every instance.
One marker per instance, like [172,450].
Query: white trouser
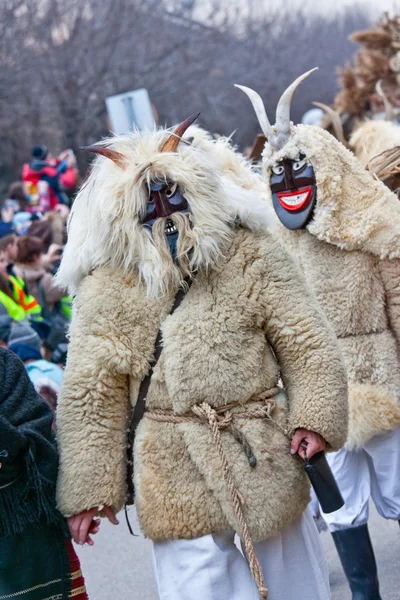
[212,568]
[372,471]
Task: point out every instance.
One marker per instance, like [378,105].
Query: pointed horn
[389,114]
[260,111]
[282,123]
[172,142]
[118,158]
[336,121]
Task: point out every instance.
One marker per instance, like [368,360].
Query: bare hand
[84,523]
[307,441]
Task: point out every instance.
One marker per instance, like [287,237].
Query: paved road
[118,567]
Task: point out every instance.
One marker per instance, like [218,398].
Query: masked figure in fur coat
[215,451]
[344,228]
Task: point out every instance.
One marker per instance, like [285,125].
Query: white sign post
[129,110]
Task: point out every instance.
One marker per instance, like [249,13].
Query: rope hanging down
[222,418]
[205,410]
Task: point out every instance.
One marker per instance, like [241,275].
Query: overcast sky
[328,6]
[375,6]
[280,8]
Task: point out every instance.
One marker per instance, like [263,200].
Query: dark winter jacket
[28,453]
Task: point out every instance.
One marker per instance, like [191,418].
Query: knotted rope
[205,410]
[222,418]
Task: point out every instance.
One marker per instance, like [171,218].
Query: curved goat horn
[389,115]
[260,111]
[172,142]
[282,123]
[118,158]
[336,121]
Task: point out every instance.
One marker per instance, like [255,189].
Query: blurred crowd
[34,311]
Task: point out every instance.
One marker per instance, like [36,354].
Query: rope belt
[222,418]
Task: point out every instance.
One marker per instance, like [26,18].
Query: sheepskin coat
[350,256]
[371,138]
[241,327]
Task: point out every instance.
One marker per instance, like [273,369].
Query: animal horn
[336,121]
[118,158]
[172,142]
[260,111]
[389,116]
[282,122]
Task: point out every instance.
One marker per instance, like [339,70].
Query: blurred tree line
[59,60]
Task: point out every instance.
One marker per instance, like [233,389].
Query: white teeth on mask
[170,228]
[296,199]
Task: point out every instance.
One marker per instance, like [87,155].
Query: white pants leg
[294,563]
[384,456]
[212,568]
[352,474]
[374,470]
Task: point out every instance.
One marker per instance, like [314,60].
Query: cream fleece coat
[241,327]
[350,255]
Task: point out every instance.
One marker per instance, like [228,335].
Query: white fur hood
[104,226]
[354,211]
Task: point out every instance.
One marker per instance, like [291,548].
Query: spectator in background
[22,333]
[46,376]
[58,224]
[8,243]
[60,355]
[43,169]
[69,179]
[9,304]
[41,229]
[18,193]
[21,339]
[54,303]
[15,296]
[29,267]
[6,218]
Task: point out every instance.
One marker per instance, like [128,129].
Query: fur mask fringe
[105,229]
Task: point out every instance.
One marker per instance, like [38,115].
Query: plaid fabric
[40,564]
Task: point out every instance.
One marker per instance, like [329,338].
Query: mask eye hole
[298,164]
[170,190]
[278,170]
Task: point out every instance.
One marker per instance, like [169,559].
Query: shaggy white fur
[240,328]
[354,210]
[349,253]
[373,137]
[104,227]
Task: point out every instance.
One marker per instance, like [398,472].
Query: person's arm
[62,167]
[93,407]
[311,365]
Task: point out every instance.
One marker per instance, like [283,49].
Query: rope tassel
[204,410]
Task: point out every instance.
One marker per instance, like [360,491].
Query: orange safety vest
[28,302]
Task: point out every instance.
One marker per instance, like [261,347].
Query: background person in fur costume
[366,109]
[376,143]
[344,228]
[212,453]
